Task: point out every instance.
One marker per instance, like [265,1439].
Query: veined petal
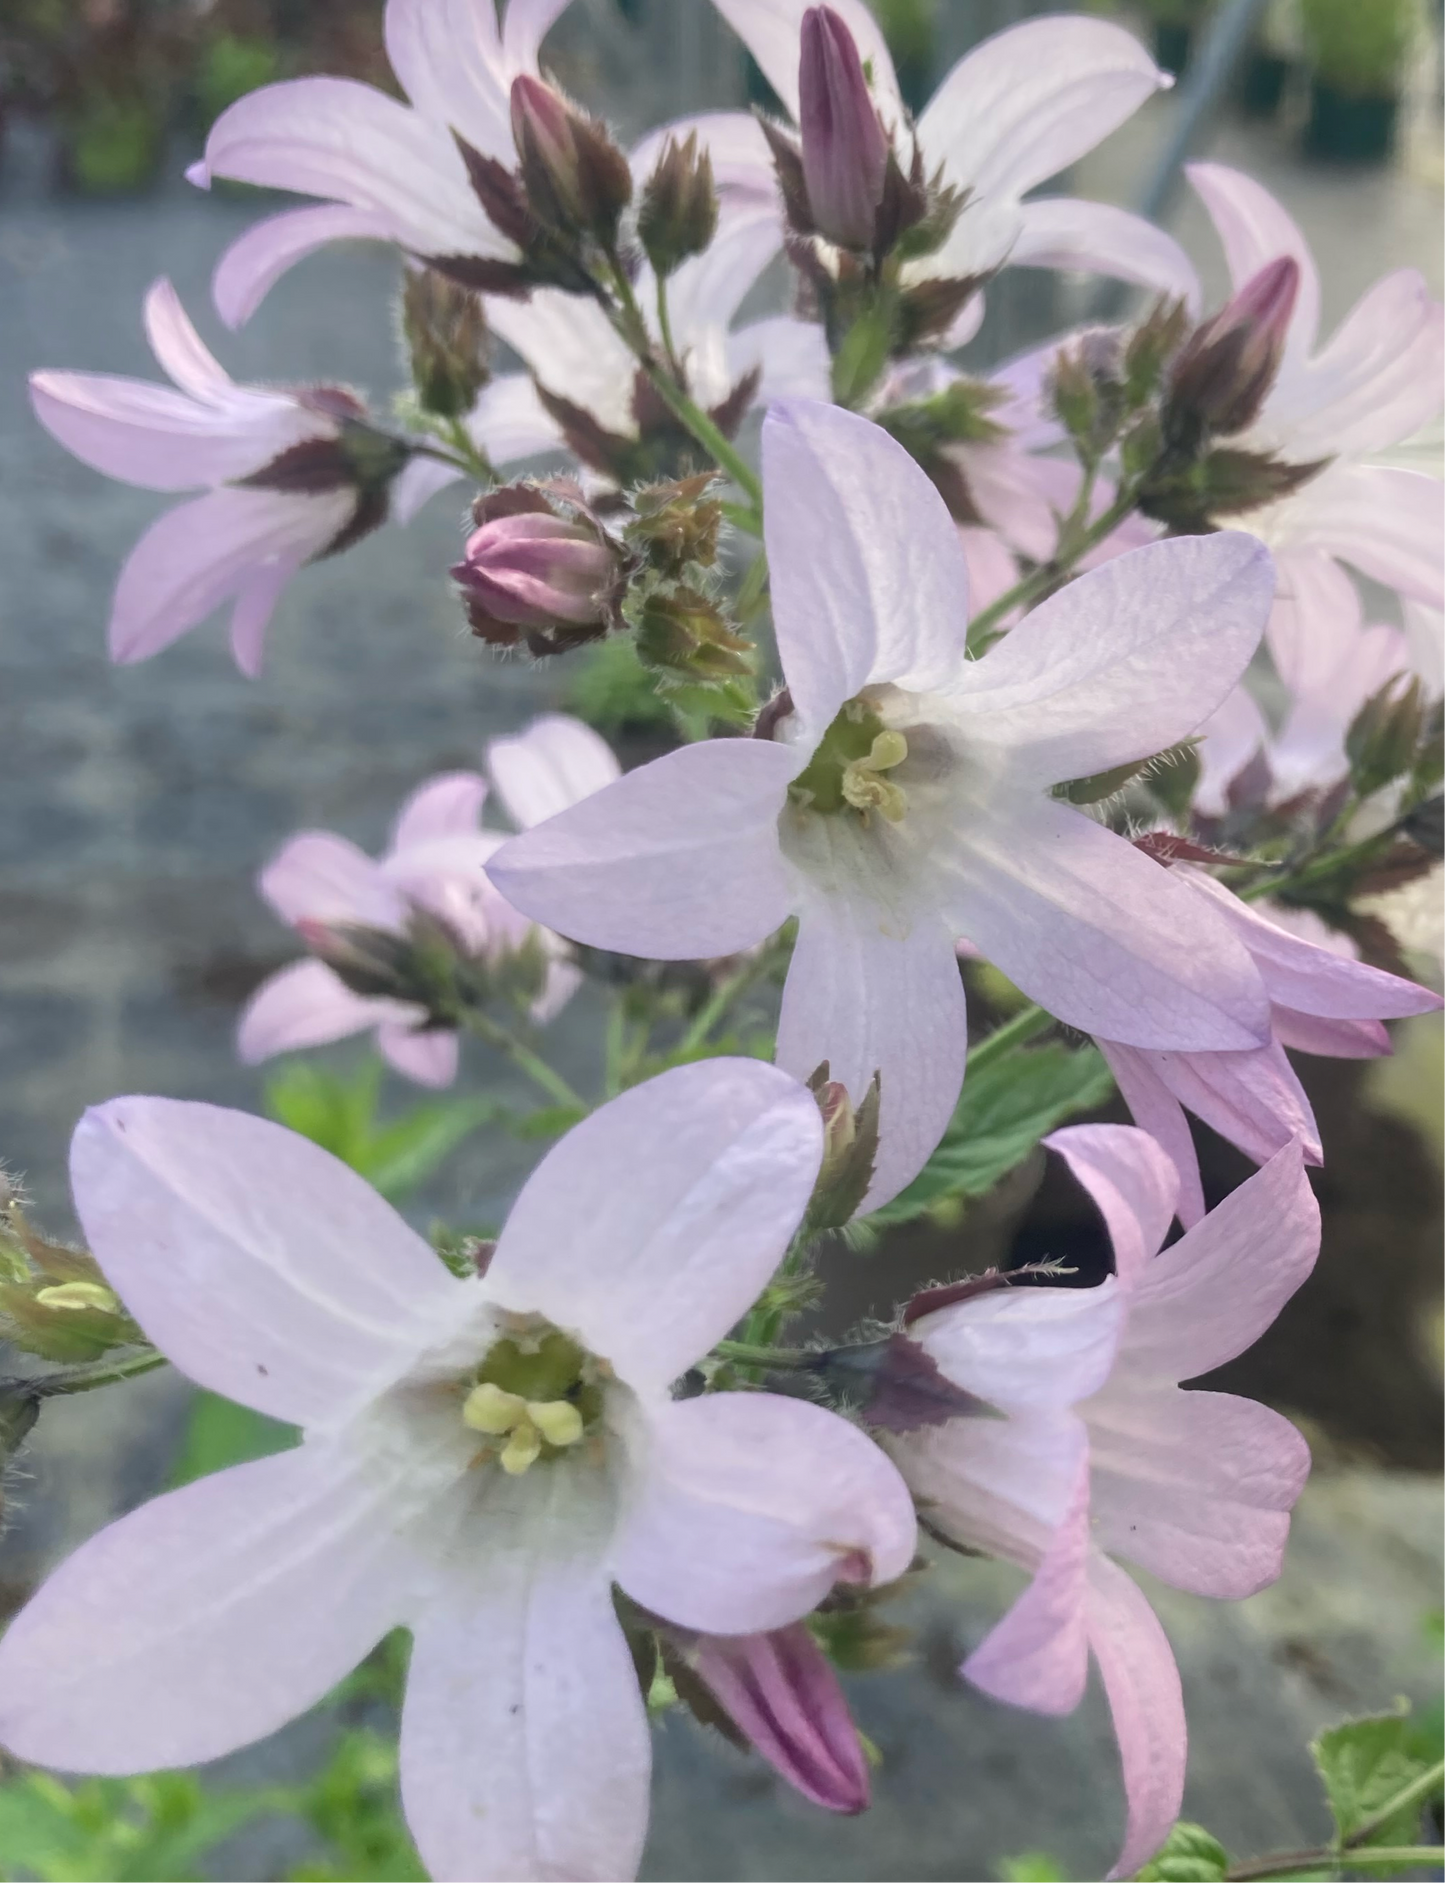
[179,348]
[1331,1039]
[868,999]
[791,355]
[1383,521]
[449,57]
[1096,238]
[677,861]
[572,350]
[1096,932]
[999,1485]
[1142,1682]
[448,806]
[1155,1109]
[1254,1099]
[1031,100]
[868,575]
[429,1055]
[1315,620]
[510,423]
[548,767]
[256,261]
[1195,1487]
[525,1751]
[1134,1187]
[1216,1290]
[748,1507]
[525,26]
[1124,662]
[1254,230]
[303,1005]
[210,1617]
[261,1266]
[655,1223]
[325,878]
[708,289]
[1027,1350]
[772,29]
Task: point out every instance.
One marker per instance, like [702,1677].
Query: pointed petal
[208,1618]
[771,30]
[1253,1099]
[1096,238]
[1315,621]
[1097,932]
[1155,1109]
[415,486]
[1028,1350]
[256,261]
[257,1263]
[708,289]
[1255,230]
[1142,1682]
[1331,1039]
[791,355]
[1195,1487]
[1134,1186]
[655,1223]
[426,1054]
[868,576]
[1031,100]
[748,1509]
[449,57]
[1216,1290]
[448,806]
[1382,521]
[510,423]
[526,25]
[303,1005]
[179,348]
[677,861]
[1125,661]
[325,878]
[548,767]
[867,1001]
[251,615]
[525,1750]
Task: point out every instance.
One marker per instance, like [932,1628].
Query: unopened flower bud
[534,570]
[677,524]
[845,148]
[850,1148]
[446,334]
[372,962]
[678,217]
[781,1691]
[1225,372]
[1384,734]
[684,633]
[575,177]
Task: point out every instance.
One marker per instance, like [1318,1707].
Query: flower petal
[448,55]
[261,1266]
[655,1223]
[868,575]
[1154,1108]
[416,484]
[448,806]
[1331,1039]
[429,1055]
[791,356]
[549,766]
[748,1509]
[208,1618]
[771,30]
[510,423]
[179,349]
[1382,521]
[321,877]
[1315,621]
[1216,1290]
[1123,662]
[1096,238]
[1134,1187]
[867,1001]
[1027,1350]
[256,261]
[571,349]
[998,1485]
[526,25]
[742,164]
[303,1005]
[1231,736]
[677,861]
[1255,230]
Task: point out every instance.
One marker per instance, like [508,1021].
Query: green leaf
[338,1112]
[335,1110]
[1365,1764]
[860,360]
[399,1157]
[1033,1866]
[1191,1855]
[1005,1108]
[221,1433]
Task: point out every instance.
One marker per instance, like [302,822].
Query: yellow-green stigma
[846,771]
[535,1395]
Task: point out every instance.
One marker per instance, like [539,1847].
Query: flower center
[536,1394]
[846,773]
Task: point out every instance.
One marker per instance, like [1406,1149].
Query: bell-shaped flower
[289,476]
[481,1461]
[1323,1000]
[903,799]
[1100,1454]
[436,863]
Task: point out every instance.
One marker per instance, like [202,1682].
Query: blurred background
[140,802]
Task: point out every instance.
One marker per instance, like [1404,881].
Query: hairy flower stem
[85,1379]
[773,1359]
[524,1059]
[1351,1853]
[1077,536]
[1024,1026]
[728,991]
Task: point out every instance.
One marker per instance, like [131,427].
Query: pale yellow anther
[558,1420]
[866,790]
[488,1409]
[521,1450]
[76,1296]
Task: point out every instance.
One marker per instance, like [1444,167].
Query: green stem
[1415,1793]
[1023,1027]
[707,435]
[750,591]
[729,990]
[85,1379]
[1290,1862]
[776,1359]
[664,327]
[525,1060]
[1075,541]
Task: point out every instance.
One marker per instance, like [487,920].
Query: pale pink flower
[435,862]
[237,546]
[944,824]
[481,1461]
[1323,1000]
[1102,1455]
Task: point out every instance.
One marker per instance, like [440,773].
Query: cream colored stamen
[488,1409]
[558,1420]
[866,790]
[526,1424]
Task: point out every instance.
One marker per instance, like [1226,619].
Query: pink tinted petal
[1002,1486]
[571,349]
[1123,662]
[992,568]
[325,878]
[1382,521]
[1142,1682]
[1330,1038]
[1425,636]
[1315,621]
[1254,230]
[868,1000]
[1154,1108]
[678,860]
[548,767]
[179,348]
[1310,749]
[1195,1487]
[1216,1290]
[525,26]
[1028,1350]
[415,486]
[525,1751]
[771,29]
[708,289]
[1038,1655]
[1231,737]
[448,55]
[509,421]
[868,576]
[448,806]
[1254,1099]
[1134,1187]
[256,261]
[1031,100]
[208,1618]
[749,1507]
[1013,492]
[1095,238]
[654,1224]
[1099,934]
[428,1055]
[252,614]
[791,355]
[261,1266]
[303,1005]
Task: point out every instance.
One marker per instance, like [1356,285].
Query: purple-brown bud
[575,177]
[536,570]
[781,1691]
[1225,372]
[678,217]
[845,148]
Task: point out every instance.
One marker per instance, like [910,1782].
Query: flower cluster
[1073,684]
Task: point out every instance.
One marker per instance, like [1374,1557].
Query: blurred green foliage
[1358,46]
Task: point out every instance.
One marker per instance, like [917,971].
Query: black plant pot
[1346,128]
[1173,44]
[1261,84]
